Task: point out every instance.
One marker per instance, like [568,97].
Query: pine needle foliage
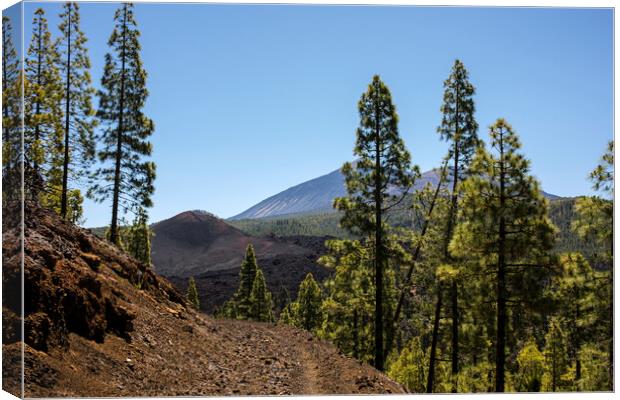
[505,229]
[137,238]
[192,294]
[42,115]
[306,311]
[247,275]
[261,305]
[556,359]
[127,175]
[460,129]
[594,223]
[252,300]
[410,368]
[76,93]
[531,365]
[383,164]
[12,103]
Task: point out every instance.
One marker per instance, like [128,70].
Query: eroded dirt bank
[98,323]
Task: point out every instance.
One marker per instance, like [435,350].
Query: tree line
[69,145]
[561,212]
[472,295]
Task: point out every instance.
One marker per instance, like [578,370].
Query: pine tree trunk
[432,359]
[356,354]
[577,369]
[455,335]
[5,110]
[451,223]
[611,322]
[577,346]
[379,259]
[416,254]
[114,238]
[611,359]
[553,367]
[500,356]
[65,165]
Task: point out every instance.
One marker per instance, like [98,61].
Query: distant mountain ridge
[317,195]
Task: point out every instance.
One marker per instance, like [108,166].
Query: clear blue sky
[250,100]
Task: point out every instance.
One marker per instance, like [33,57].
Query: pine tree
[556,358]
[603,175]
[42,115]
[282,299]
[127,176]
[137,238]
[247,275]
[594,220]
[581,309]
[349,301]
[260,300]
[594,223]
[350,297]
[531,364]
[75,211]
[285,317]
[192,294]
[10,94]
[79,143]
[460,129]
[306,310]
[382,164]
[595,374]
[11,114]
[408,369]
[506,229]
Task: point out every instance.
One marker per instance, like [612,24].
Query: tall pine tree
[79,142]
[383,164]
[11,113]
[42,115]
[10,93]
[460,129]
[126,176]
[506,228]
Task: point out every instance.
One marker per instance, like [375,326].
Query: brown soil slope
[100,324]
[195,242]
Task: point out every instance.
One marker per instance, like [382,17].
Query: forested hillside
[561,212]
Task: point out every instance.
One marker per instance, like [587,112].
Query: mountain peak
[317,196]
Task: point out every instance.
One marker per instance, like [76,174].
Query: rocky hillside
[99,324]
[194,242]
[317,195]
[284,271]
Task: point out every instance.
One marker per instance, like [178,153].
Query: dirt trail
[98,324]
[213,357]
[310,374]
